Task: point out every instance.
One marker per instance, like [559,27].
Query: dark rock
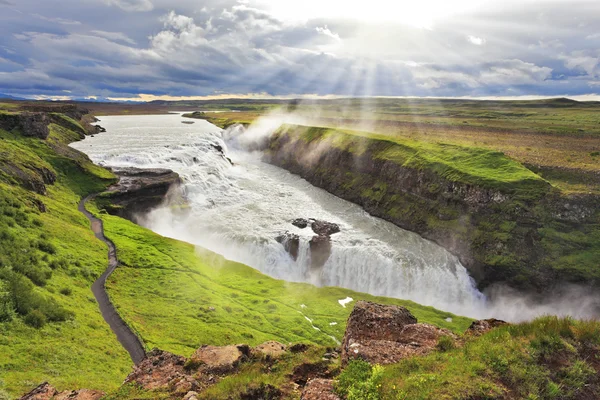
[307,371]
[319,389]
[291,243]
[82,394]
[300,223]
[324,228]
[141,190]
[299,348]
[28,123]
[485,325]
[320,250]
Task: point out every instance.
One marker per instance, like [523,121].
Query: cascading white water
[238,210]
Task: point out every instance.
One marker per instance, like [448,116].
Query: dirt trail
[125,335]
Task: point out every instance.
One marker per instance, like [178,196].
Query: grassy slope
[179,299]
[549,358]
[80,352]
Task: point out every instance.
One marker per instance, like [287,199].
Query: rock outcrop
[319,244]
[140,190]
[33,124]
[382,334]
[45,391]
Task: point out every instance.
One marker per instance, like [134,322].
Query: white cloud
[327,32]
[115,36]
[132,5]
[475,40]
[57,20]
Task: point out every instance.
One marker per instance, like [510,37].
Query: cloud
[6,3]
[132,5]
[327,32]
[475,40]
[56,20]
[224,46]
[114,36]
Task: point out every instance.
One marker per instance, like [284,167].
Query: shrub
[66,291]
[357,372]
[445,343]
[35,318]
[46,246]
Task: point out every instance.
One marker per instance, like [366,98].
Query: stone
[44,391]
[324,228]
[220,359]
[319,389]
[485,325]
[158,371]
[382,334]
[271,349]
[291,243]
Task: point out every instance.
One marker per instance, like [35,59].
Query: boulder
[485,325]
[319,389]
[44,391]
[220,359]
[300,223]
[324,228]
[320,250]
[291,243]
[159,370]
[383,334]
[270,350]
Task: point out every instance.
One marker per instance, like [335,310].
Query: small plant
[35,318]
[445,343]
[359,381]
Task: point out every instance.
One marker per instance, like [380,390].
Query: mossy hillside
[48,262]
[225,119]
[178,298]
[548,358]
[503,221]
[470,165]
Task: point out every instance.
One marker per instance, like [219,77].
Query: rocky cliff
[138,191]
[507,226]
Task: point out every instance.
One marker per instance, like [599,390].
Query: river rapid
[239,209]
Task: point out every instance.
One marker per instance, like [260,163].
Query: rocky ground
[376,333]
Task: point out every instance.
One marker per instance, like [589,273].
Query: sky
[171,49]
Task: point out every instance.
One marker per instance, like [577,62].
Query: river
[238,210]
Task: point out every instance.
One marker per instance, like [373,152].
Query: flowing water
[238,210]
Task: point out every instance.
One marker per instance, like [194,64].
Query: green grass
[178,297]
[548,358]
[54,258]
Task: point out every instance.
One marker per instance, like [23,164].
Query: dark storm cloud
[124,47]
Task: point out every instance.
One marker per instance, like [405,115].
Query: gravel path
[125,335]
